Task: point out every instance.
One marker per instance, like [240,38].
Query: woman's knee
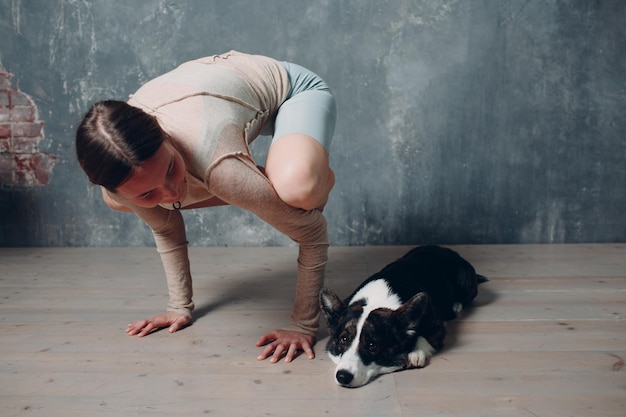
[298,167]
[302,186]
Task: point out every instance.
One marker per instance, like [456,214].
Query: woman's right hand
[175,321]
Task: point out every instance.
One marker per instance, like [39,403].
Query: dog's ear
[332,306]
[411,313]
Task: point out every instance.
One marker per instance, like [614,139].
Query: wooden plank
[344,403]
[513,394]
[204,358]
[462,336]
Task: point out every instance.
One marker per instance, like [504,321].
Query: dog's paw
[457,307]
[417,359]
[423,351]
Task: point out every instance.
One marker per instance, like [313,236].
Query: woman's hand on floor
[285,343]
[175,321]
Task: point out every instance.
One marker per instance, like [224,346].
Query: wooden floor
[546,337]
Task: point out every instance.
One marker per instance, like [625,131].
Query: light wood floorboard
[546,336]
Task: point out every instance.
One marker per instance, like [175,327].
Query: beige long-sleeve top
[212,108]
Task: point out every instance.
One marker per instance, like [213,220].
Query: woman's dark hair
[113,139]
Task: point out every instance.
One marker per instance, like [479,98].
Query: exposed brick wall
[21,162]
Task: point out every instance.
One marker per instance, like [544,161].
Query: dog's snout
[344,377]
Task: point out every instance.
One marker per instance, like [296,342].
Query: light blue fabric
[309,109]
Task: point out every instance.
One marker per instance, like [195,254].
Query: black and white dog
[395,319]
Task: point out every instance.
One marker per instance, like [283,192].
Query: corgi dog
[396,318]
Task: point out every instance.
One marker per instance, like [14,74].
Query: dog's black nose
[344,377]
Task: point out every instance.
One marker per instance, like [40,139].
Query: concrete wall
[473,121]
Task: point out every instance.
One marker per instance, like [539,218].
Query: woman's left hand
[285,343]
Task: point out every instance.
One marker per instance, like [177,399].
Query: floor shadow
[205,309]
[245,286]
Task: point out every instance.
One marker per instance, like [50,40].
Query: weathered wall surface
[459,121]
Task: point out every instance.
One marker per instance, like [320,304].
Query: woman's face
[158,180]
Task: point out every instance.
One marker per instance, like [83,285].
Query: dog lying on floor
[395,319]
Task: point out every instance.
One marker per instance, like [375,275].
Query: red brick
[45,163]
[5,114]
[23,162]
[23,171]
[28,130]
[7,163]
[24,178]
[22,114]
[5,130]
[33,170]
[4,98]
[17,98]
[25,145]
[5,145]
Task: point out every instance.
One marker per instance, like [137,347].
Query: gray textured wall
[459,121]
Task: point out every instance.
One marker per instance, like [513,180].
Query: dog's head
[365,343]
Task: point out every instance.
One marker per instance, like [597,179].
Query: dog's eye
[345,339]
[372,347]
[345,336]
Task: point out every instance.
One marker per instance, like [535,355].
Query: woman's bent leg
[298,167]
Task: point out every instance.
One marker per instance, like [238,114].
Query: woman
[181,142]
